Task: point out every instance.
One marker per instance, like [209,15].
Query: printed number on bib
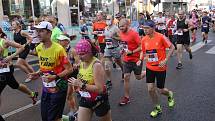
[124,46]
[161,27]
[180,32]
[152,55]
[100,33]
[49,84]
[205,25]
[85,94]
[109,43]
[5,69]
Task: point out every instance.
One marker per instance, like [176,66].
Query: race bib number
[5,69]
[124,46]
[85,94]
[180,32]
[161,27]
[100,33]
[152,55]
[49,84]
[205,25]
[109,43]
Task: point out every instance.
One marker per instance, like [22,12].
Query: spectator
[5,24]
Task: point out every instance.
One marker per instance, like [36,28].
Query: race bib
[109,43]
[152,55]
[161,27]
[124,46]
[100,33]
[180,32]
[205,25]
[5,69]
[85,94]
[49,84]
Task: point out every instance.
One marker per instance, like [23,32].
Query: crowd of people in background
[81,74]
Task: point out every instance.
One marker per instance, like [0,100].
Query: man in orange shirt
[130,45]
[154,47]
[98,31]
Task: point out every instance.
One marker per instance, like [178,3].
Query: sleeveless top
[182,25]
[18,38]
[5,50]
[86,76]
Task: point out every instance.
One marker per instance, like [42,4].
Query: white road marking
[211,51]
[198,46]
[19,110]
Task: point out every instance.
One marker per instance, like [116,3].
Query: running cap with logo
[44,25]
[83,46]
[63,37]
[149,23]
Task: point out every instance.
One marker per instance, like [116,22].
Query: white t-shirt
[33,34]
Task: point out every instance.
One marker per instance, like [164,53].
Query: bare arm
[28,37]
[99,79]
[19,48]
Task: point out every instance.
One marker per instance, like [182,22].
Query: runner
[161,23]
[98,31]
[141,23]
[56,32]
[205,26]
[54,67]
[171,29]
[22,38]
[84,29]
[183,26]
[7,69]
[154,47]
[91,81]
[130,43]
[112,49]
[194,20]
[64,41]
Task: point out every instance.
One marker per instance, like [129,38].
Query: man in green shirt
[56,32]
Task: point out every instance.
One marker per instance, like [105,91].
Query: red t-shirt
[132,40]
[170,25]
[155,50]
[100,27]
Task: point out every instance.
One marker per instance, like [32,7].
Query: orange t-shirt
[100,27]
[155,50]
[132,41]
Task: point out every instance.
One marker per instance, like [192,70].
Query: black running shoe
[179,66]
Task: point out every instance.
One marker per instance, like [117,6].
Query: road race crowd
[81,74]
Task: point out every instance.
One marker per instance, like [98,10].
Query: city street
[193,87]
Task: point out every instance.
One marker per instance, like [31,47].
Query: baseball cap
[44,25]
[149,23]
[63,37]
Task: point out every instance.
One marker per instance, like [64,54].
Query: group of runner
[82,74]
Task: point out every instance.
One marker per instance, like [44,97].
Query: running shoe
[171,101]
[34,96]
[157,110]
[124,101]
[179,66]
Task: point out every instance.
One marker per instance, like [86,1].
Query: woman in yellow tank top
[91,84]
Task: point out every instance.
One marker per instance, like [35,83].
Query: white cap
[44,25]
[63,37]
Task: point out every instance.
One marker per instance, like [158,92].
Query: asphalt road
[193,87]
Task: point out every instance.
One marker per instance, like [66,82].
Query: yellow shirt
[52,58]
